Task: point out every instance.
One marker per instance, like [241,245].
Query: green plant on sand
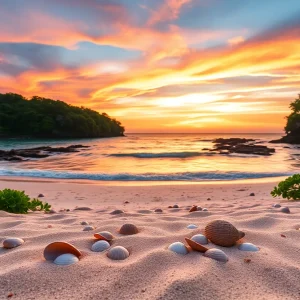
[289,188]
[18,202]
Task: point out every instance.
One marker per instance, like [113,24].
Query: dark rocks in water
[288,139]
[38,152]
[240,145]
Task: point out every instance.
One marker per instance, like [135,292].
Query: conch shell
[222,233]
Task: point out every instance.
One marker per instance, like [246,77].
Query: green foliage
[293,120]
[41,117]
[18,202]
[289,188]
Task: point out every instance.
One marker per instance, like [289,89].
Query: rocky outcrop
[240,145]
[288,139]
[39,152]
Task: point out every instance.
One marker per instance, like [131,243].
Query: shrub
[289,188]
[18,202]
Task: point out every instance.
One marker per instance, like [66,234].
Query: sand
[151,271]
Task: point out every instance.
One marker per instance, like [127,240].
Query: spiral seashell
[100,246]
[128,229]
[53,250]
[216,254]
[118,253]
[200,239]
[222,233]
[178,248]
[104,235]
[195,246]
[10,243]
[248,247]
[194,208]
[66,259]
[192,226]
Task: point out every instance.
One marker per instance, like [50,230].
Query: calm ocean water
[153,157]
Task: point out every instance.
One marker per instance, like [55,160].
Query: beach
[151,271]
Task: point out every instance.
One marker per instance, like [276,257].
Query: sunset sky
[158,65]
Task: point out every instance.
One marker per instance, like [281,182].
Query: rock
[288,139]
[158,210]
[117,212]
[252,195]
[41,195]
[285,210]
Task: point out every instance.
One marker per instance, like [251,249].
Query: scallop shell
[66,259]
[84,223]
[10,243]
[118,253]
[216,254]
[248,247]
[277,205]
[104,235]
[222,233]
[100,246]
[194,208]
[200,239]
[285,210]
[192,226]
[195,246]
[128,229]
[176,206]
[53,250]
[88,228]
[178,248]
[117,212]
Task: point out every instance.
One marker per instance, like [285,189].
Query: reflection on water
[149,156]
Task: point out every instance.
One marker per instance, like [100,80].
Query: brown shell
[53,250]
[222,233]
[194,208]
[104,235]
[128,229]
[195,246]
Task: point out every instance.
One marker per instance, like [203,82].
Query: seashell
[83,208]
[222,233]
[195,246]
[118,253]
[216,254]
[117,212]
[252,195]
[200,239]
[285,210]
[192,226]
[277,205]
[158,210]
[53,250]
[170,206]
[248,247]
[199,208]
[175,206]
[88,228]
[66,259]
[10,243]
[104,235]
[84,223]
[204,209]
[100,246]
[41,195]
[178,248]
[128,229]
[194,208]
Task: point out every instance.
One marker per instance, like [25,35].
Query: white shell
[248,247]
[100,246]
[178,248]
[204,209]
[192,226]
[66,259]
[88,228]
[200,239]
[216,254]
[118,253]
[277,205]
[12,243]
[84,223]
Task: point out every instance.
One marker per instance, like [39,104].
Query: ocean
[153,157]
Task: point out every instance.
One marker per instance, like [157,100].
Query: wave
[162,154]
[187,176]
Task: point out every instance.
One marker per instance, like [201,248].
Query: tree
[293,120]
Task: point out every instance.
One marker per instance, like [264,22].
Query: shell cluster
[222,233]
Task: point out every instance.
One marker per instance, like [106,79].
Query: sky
[158,65]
